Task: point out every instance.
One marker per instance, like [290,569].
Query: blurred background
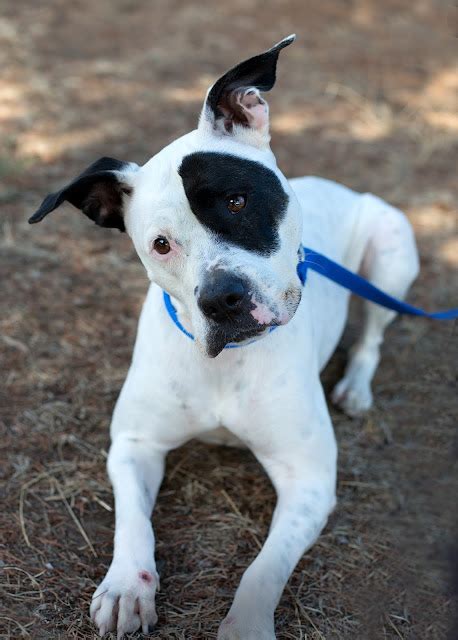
[366,96]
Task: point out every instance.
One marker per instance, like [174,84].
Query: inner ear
[104,203]
[244,107]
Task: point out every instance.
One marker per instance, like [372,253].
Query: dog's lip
[252,333]
[241,337]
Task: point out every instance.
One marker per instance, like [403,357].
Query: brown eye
[236,203]
[161,245]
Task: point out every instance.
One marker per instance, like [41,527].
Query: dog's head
[211,216]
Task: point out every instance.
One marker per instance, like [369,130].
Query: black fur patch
[209,179]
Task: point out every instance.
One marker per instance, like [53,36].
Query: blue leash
[353,282]
[361,287]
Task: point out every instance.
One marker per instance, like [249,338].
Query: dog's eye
[236,203]
[161,245]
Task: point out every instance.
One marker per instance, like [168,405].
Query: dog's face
[212,218]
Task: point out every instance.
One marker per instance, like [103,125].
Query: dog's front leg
[303,474]
[124,601]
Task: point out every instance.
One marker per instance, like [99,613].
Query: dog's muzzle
[226,301]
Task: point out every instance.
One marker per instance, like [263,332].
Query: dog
[219,227]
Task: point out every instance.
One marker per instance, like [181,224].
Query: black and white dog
[218,226]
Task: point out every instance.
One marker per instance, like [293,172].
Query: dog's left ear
[234,105]
[98,192]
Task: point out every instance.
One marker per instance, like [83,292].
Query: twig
[24,631]
[25,487]
[74,518]
[238,513]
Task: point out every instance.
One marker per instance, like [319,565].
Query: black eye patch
[209,179]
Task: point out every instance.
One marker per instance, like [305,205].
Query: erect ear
[234,101]
[98,192]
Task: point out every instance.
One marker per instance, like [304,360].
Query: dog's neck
[182,316]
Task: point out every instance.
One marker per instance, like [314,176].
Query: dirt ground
[367,96]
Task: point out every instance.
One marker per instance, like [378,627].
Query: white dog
[218,227]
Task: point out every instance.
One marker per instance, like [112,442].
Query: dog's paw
[124,601]
[353,394]
[233,629]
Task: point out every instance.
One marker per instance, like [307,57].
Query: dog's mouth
[251,326]
[220,337]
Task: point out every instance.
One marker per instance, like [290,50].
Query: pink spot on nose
[145,576]
[261,312]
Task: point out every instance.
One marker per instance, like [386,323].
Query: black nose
[222,296]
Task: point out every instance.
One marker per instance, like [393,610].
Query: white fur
[266,395]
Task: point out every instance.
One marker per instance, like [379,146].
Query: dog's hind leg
[391,263]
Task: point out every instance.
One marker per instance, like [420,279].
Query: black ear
[97,192]
[256,73]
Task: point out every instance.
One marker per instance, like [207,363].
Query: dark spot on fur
[145,576]
[129,461]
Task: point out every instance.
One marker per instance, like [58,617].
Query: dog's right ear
[98,192]
[234,106]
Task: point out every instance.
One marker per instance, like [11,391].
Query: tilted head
[211,216]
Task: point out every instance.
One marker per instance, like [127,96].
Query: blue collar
[174,316]
[309,259]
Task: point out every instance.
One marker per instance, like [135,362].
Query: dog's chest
[211,397]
